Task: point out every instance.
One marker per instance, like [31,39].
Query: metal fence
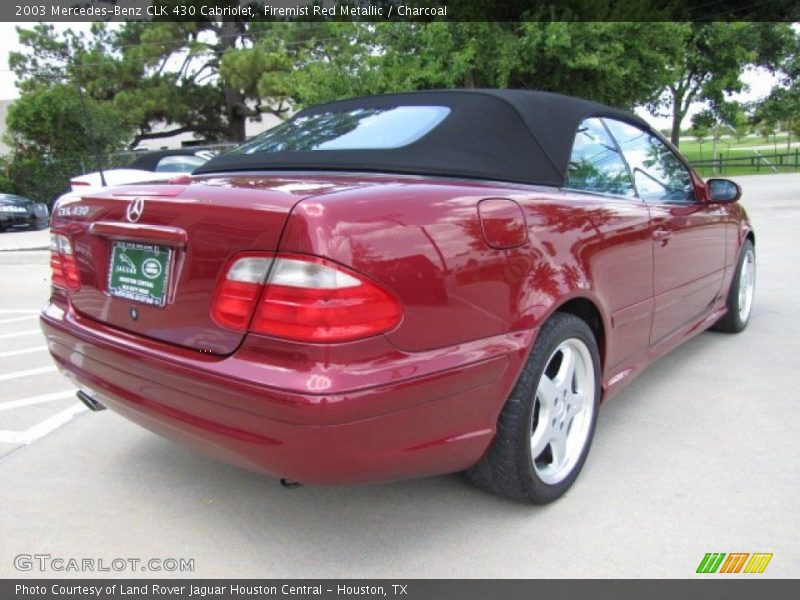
[767,163]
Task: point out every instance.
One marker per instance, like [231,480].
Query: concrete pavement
[25,240]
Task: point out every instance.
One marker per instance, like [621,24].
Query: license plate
[139,272]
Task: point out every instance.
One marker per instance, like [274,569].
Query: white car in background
[160,165]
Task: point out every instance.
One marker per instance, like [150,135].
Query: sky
[759,81]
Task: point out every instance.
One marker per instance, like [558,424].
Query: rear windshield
[179,164]
[361,129]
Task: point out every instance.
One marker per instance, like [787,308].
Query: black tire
[734,321]
[40,216]
[38,225]
[507,469]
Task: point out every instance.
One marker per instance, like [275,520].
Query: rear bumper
[21,221]
[437,415]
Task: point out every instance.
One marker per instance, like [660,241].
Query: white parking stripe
[16,311]
[23,351]
[37,400]
[17,319]
[17,374]
[6,336]
[42,429]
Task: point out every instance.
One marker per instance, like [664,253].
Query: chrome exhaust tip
[90,402]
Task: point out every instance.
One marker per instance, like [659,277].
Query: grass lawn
[750,146]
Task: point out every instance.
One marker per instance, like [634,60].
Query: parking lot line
[7,336]
[26,372]
[42,429]
[40,399]
[18,311]
[22,351]
[17,319]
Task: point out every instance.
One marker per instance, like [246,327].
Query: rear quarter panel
[423,241]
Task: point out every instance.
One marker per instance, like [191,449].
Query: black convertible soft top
[506,135]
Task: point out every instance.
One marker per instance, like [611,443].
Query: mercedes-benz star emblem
[135,209]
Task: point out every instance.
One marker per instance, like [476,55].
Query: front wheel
[740,296]
[546,427]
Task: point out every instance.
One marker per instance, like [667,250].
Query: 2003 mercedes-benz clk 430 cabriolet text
[399,286]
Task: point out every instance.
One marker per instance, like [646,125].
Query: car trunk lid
[187,233]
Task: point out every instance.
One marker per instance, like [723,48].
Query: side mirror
[723,190]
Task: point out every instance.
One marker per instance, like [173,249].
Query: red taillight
[305,298]
[75,182]
[238,290]
[64,270]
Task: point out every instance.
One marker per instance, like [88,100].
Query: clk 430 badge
[73,211]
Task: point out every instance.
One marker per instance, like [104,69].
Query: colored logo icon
[734,562]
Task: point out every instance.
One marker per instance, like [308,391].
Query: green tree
[722,118]
[163,76]
[702,126]
[618,63]
[283,65]
[781,109]
[55,132]
[7,185]
[711,60]
[61,121]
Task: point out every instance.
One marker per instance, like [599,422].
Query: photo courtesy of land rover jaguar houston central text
[399,286]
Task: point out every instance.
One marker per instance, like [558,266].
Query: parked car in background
[17,212]
[160,165]
[400,286]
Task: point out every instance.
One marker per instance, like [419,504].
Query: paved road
[700,454]
[25,240]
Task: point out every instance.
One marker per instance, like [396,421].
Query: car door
[688,236]
[621,251]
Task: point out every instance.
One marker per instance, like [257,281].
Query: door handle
[662,235]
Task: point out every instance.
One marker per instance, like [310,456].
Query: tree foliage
[711,60]
[59,120]
[781,109]
[618,63]
[55,132]
[147,80]
[152,74]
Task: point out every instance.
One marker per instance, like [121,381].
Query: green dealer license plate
[139,272]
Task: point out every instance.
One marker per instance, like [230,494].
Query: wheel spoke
[543,433]
[566,371]
[558,446]
[746,286]
[548,391]
[563,410]
[576,402]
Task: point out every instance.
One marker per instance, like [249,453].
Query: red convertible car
[399,286]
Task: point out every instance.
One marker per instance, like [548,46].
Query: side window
[595,165]
[657,172]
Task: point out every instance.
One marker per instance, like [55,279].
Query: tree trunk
[236,120]
[677,117]
[234,99]
[469,79]
[714,144]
